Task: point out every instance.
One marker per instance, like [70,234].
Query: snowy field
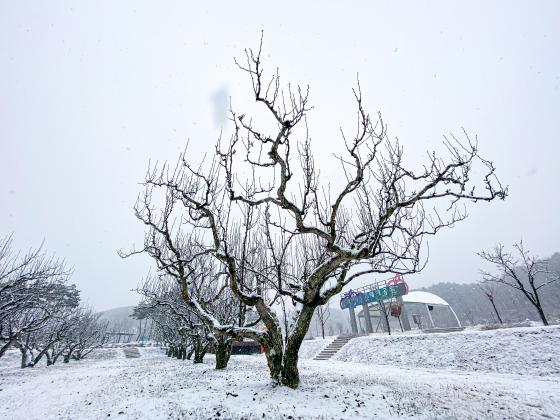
[154,386]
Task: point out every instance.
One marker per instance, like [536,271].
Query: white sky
[90,91]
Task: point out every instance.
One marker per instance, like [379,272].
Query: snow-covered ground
[155,386]
[532,351]
[310,348]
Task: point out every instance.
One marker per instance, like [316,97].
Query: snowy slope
[533,350]
[310,348]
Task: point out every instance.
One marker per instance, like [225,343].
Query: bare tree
[282,238]
[384,312]
[524,272]
[200,279]
[26,281]
[168,328]
[37,319]
[87,335]
[39,311]
[489,289]
[323,314]
[48,339]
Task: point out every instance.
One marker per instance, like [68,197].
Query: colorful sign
[394,288]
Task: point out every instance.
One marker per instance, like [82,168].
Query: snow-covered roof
[424,297]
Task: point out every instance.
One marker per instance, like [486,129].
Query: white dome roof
[424,297]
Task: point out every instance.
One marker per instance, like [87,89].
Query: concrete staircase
[333,347]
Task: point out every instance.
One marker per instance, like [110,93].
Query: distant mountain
[120,319]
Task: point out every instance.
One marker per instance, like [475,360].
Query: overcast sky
[90,91]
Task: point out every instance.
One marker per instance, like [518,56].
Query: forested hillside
[472,306]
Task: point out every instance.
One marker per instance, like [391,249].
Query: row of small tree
[40,311]
[187,328]
[255,230]
[173,323]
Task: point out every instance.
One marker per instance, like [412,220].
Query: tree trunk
[25,357]
[542,315]
[25,354]
[38,358]
[496,310]
[199,351]
[383,313]
[283,362]
[223,353]
[56,356]
[535,300]
[274,361]
[289,374]
[199,356]
[5,347]
[77,355]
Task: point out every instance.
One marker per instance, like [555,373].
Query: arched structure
[418,310]
[430,311]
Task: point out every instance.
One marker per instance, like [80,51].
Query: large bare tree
[286,241]
[524,272]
